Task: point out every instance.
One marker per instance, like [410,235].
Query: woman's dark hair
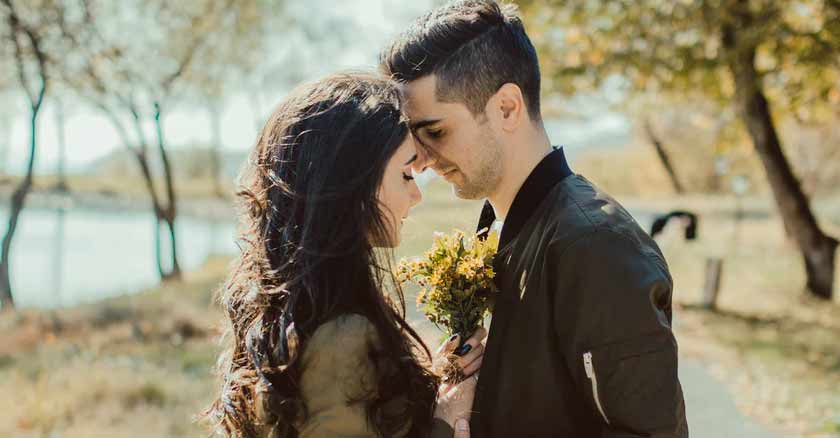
[473,47]
[309,214]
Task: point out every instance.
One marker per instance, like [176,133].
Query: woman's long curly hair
[309,215]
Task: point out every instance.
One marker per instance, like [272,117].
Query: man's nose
[425,159]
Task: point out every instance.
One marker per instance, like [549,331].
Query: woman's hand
[455,402]
[469,355]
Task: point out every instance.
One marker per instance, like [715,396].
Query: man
[581,342]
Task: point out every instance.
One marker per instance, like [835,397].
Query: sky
[89,136]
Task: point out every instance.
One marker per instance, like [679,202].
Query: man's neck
[516,171]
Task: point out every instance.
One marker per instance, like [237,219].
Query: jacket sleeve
[612,316]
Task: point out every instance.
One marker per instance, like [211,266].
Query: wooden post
[714,266]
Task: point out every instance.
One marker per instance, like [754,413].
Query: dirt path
[710,408]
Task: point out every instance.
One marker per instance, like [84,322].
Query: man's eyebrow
[413,159]
[423,123]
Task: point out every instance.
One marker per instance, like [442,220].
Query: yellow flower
[456,279]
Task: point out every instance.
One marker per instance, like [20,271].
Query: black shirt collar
[550,171]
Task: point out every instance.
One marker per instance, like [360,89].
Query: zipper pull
[587,365]
[593,379]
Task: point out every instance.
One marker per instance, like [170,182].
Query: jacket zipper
[590,374]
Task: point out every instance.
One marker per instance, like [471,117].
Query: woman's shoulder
[350,329]
[336,366]
[346,337]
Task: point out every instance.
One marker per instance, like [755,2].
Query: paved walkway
[710,408]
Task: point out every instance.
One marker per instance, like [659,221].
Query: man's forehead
[422,105]
[420,94]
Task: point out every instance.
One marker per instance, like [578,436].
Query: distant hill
[187,163]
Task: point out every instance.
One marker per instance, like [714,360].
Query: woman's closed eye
[408,177]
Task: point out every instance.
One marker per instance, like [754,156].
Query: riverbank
[195,197]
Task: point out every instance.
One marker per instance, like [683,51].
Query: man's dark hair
[473,47]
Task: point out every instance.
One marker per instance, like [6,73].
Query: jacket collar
[550,171]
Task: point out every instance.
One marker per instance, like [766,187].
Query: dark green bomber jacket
[580,343]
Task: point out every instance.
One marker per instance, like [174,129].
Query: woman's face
[398,191]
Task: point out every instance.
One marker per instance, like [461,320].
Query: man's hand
[471,353]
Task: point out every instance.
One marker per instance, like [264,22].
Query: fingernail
[464,349]
[462,425]
[454,337]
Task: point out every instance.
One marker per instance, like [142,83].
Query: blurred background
[123,126]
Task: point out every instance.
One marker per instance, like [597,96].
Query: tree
[750,53]
[60,109]
[112,71]
[25,34]
[8,85]
[5,137]
[232,56]
[664,157]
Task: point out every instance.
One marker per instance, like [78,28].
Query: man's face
[460,147]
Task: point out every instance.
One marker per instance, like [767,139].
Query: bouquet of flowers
[456,281]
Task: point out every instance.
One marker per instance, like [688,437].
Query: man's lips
[447,173]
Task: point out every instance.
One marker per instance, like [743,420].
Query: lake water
[65,257]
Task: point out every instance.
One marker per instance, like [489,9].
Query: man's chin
[465,192]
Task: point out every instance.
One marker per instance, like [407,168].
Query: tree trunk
[5,143]
[664,158]
[175,272]
[18,201]
[256,107]
[216,151]
[170,211]
[36,99]
[58,254]
[61,168]
[158,209]
[138,151]
[818,250]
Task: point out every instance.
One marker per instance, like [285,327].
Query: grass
[131,366]
[140,365]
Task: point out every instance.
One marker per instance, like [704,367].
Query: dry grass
[132,366]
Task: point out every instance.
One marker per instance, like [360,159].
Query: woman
[315,347]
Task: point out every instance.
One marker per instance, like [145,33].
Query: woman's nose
[416,195]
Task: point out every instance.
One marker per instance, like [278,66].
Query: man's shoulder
[577,210]
[576,205]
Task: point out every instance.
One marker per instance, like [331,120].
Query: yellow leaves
[834,96]
[595,57]
[573,35]
[572,59]
[765,59]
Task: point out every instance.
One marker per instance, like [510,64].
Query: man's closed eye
[434,133]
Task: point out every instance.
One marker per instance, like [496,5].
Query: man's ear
[507,106]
